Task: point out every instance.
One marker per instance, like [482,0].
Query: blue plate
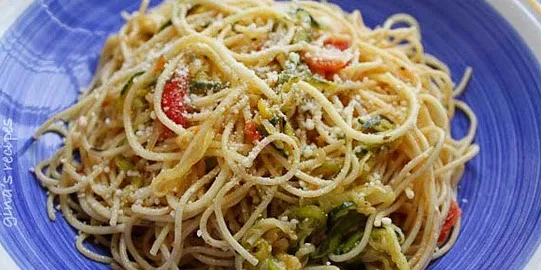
[52,50]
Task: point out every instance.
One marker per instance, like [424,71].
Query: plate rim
[514,14]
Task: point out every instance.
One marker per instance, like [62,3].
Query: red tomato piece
[327,62]
[251,132]
[173,97]
[324,65]
[341,43]
[450,221]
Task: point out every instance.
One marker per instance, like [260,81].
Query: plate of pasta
[203,134]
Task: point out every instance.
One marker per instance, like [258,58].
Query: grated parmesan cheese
[83,122]
[409,193]
[309,124]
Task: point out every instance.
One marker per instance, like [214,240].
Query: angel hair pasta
[261,135]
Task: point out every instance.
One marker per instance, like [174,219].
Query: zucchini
[305,17]
[341,210]
[124,164]
[350,243]
[310,212]
[376,123]
[270,265]
[165,25]
[201,87]
[345,227]
[302,35]
[129,83]
[311,218]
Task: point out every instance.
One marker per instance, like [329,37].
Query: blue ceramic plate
[51,51]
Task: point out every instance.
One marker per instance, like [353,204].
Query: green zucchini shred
[124,164]
[344,225]
[376,123]
[341,210]
[165,25]
[129,83]
[350,243]
[200,87]
[305,17]
[271,265]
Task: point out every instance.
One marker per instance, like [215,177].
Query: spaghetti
[261,134]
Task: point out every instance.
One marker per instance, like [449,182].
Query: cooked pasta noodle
[262,134]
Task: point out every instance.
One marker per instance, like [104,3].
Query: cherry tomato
[450,221]
[341,43]
[325,66]
[251,132]
[173,97]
